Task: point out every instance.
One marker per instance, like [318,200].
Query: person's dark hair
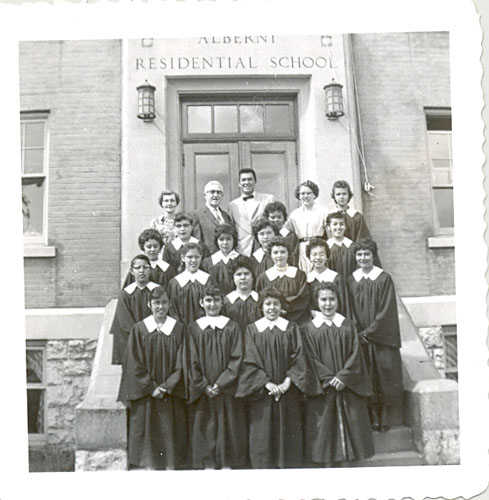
[141,256]
[325,285]
[247,171]
[335,215]
[149,234]
[226,229]
[184,216]
[317,242]
[212,291]
[157,293]
[311,185]
[279,241]
[342,185]
[275,206]
[365,244]
[239,262]
[271,292]
[168,192]
[262,223]
[191,246]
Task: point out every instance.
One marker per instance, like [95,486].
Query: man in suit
[211,216]
[246,209]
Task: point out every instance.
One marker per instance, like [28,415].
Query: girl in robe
[341,256]
[263,231]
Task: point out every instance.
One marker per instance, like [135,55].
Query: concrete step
[398,438]
[391,459]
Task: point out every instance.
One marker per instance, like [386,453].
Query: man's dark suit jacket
[205,224]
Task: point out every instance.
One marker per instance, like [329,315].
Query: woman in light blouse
[164,223]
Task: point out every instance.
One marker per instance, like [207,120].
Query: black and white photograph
[252,254]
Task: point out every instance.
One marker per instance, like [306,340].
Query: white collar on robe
[178,243]
[345,242]
[263,323]
[132,287]
[284,231]
[273,273]
[328,275]
[212,321]
[219,257]
[234,296]
[350,211]
[163,265]
[259,254]
[372,275]
[321,320]
[185,277]
[166,328]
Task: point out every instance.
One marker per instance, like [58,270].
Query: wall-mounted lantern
[334,100]
[146,102]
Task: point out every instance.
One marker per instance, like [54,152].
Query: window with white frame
[439,130]
[36,389]
[34,151]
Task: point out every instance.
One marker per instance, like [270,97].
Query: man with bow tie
[246,209]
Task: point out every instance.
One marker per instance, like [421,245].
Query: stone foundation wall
[433,340]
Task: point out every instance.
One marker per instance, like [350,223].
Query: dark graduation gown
[374,308]
[161,273]
[314,279]
[157,427]
[294,285]
[217,425]
[275,427]
[132,306]
[244,312]
[337,423]
[356,227]
[171,253]
[342,259]
[185,295]
[261,261]
[218,267]
[293,245]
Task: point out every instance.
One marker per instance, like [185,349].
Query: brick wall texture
[398,75]
[80,83]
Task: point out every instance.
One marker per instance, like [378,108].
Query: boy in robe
[241,305]
[187,288]
[171,253]
[217,426]
[277,213]
[374,308]
[289,279]
[337,424]
[151,243]
[274,379]
[341,257]
[132,306]
[217,265]
[153,389]
[317,252]
[263,232]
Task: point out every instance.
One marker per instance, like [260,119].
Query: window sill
[35,251]
[447,241]
[37,440]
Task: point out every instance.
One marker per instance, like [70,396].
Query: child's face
[341,197]
[365,259]
[211,304]
[152,249]
[243,279]
[271,308]
[184,229]
[191,260]
[264,236]
[225,242]
[318,258]
[277,218]
[337,228]
[169,203]
[160,307]
[279,256]
[140,270]
[327,303]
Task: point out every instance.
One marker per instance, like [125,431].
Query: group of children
[231,361]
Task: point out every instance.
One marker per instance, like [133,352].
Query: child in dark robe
[337,424]
[317,252]
[217,265]
[187,288]
[277,213]
[374,308]
[151,243]
[274,379]
[171,253]
[241,305]
[132,306]
[263,231]
[217,426]
[291,280]
[152,387]
[341,256]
